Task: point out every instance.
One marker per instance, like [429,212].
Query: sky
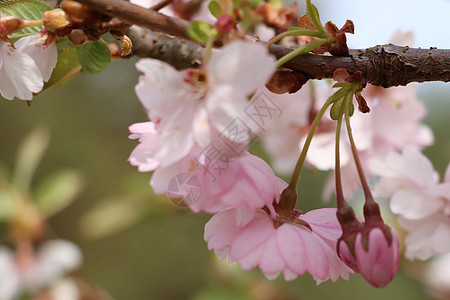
[376,20]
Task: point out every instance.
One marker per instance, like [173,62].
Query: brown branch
[181,54]
[385,66]
[133,14]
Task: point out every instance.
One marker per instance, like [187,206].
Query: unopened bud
[78,37]
[377,258]
[55,19]
[225,23]
[82,14]
[373,252]
[10,24]
[286,81]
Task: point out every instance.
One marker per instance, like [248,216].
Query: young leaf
[313,14]
[25,9]
[335,111]
[215,9]
[94,57]
[112,216]
[201,31]
[30,154]
[58,191]
[67,67]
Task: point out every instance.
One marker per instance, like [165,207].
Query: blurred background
[137,245]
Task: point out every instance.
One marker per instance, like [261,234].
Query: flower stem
[364,184]
[297,32]
[32,23]
[208,49]
[301,159]
[302,50]
[340,201]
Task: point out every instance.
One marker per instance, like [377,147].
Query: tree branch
[133,14]
[386,65]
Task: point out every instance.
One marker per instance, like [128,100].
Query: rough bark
[385,65]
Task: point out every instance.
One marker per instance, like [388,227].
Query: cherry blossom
[373,256]
[280,246]
[244,182]
[420,201]
[28,271]
[191,106]
[24,67]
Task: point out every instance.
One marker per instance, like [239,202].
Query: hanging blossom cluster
[199,128]
[202,122]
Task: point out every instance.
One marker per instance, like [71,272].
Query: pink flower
[24,69]
[422,203]
[287,246]
[192,106]
[244,182]
[373,256]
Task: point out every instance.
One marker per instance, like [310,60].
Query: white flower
[24,68]
[192,106]
[422,203]
[30,272]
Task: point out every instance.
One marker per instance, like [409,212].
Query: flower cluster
[198,139]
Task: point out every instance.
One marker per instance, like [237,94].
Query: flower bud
[286,81]
[55,19]
[78,37]
[10,24]
[374,253]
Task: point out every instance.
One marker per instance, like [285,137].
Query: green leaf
[215,9]
[67,67]
[277,3]
[25,9]
[111,216]
[351,109]
[6,207]
[313,14]
[338,95]
[94,57]
[30,154]
[335,111]
[58,191]
[201,31]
